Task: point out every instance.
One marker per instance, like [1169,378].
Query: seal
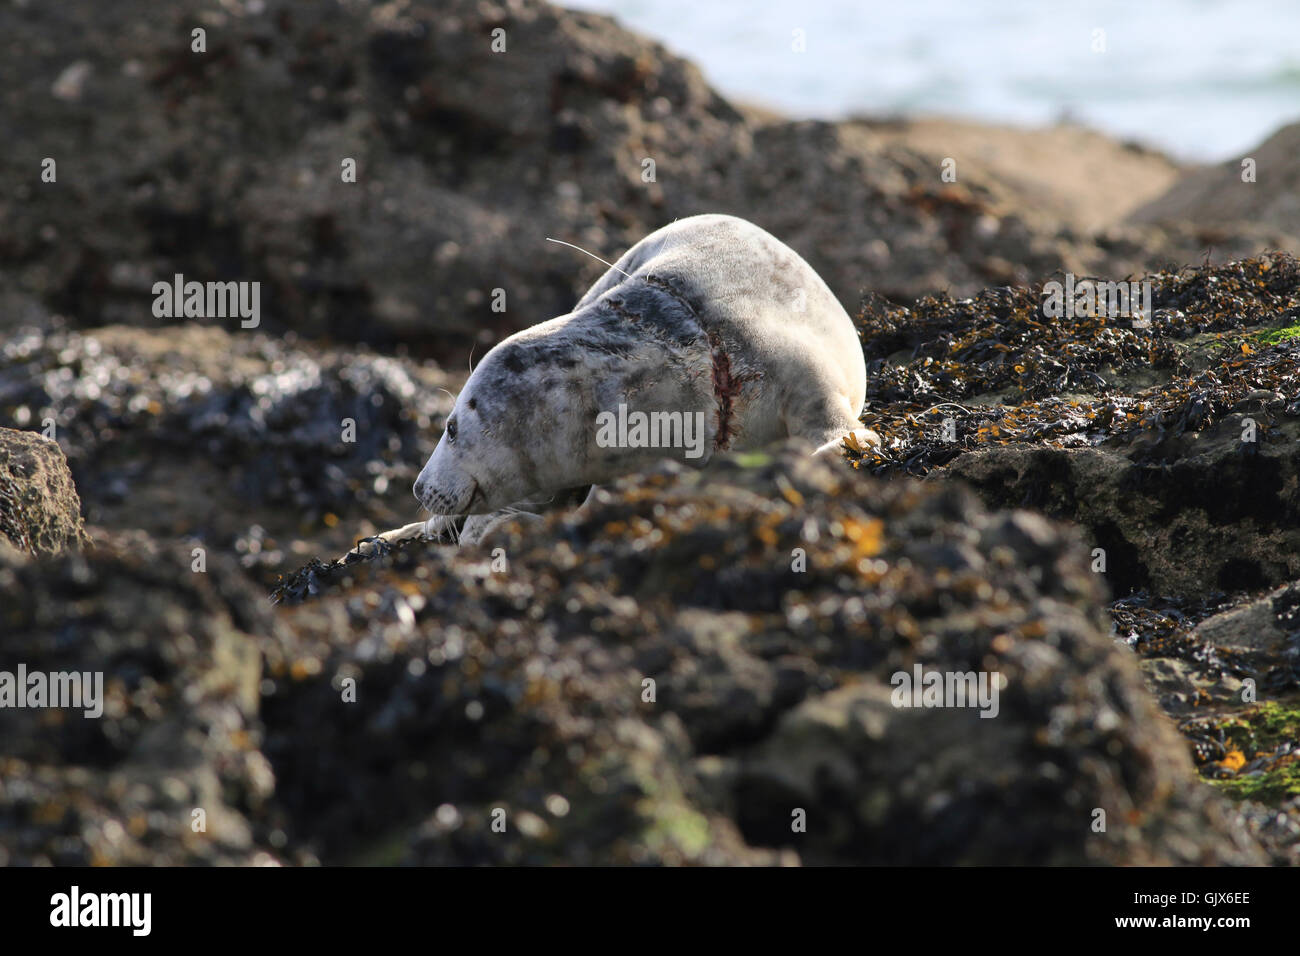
[709,335]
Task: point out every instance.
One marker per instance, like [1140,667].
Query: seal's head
[507,435]
[528,424]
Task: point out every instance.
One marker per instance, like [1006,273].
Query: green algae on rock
[1260,752]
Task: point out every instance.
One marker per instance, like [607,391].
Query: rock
[40,512]
[1269,625]
[1182,686]
[177,733]
[1278,829]
[1229,670]
[1024,168]
[1218,196]
[466,161]
[232,440]
[771,689]
[1170,445]
[1220,519]
[649,681]
[456,149]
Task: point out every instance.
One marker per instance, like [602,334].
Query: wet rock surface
[236,441]
[227,165]
[1174,448]
[40,512]
[523,689]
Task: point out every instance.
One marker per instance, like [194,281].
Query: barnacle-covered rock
[239,441]
[697,668]
[770,603]
[1173,444]
[159,761]
[40,512]
[382,171]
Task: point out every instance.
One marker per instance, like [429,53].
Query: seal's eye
[451,429]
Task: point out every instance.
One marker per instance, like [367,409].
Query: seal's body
[709,320]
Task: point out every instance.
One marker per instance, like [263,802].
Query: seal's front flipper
[478,527]
[379,545]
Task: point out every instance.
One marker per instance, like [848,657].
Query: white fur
[771,320]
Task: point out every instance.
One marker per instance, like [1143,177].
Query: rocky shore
[698,668]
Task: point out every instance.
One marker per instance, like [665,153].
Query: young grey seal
[708,335]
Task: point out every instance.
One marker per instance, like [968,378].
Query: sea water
[1204,80]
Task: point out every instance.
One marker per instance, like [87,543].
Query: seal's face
[528,423]
[464,471]
[446,485]
[497,447]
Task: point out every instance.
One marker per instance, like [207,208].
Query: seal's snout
[431,499]
[421,489]
[444,489]
[426,490]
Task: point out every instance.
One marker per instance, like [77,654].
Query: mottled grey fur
[709,314]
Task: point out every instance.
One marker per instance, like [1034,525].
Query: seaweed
[946,377]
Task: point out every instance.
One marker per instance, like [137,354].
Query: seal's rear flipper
[858,439]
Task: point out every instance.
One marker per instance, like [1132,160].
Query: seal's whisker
[585,252]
